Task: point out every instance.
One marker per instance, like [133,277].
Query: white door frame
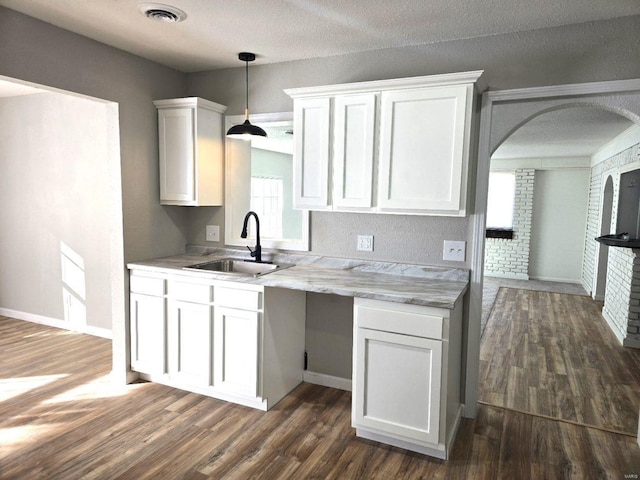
[574,93]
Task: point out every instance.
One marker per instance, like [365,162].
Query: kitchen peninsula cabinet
[392,146]
[406,364]
[191,151]
[236,342]
[148,324]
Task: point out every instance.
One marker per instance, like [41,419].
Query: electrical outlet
[365,243]
[212,233]
[454,250]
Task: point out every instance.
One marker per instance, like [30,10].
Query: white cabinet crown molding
[389,84]
[195,102]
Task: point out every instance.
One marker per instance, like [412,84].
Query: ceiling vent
[162,13]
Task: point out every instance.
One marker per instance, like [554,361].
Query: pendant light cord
[246,80]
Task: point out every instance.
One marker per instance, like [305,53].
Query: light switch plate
[454,250]
[212,233]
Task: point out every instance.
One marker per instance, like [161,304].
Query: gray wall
[41,53]
[54,190]
[574,54]
[578,53]
[38,52]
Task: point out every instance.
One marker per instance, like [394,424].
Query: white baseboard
[327,380]
[54,322]
[613,327]
[511,276]
[554,279]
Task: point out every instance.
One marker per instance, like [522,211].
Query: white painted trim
[193,102]
[629,167]
[549,163]
[575,281]
[569,90]
[437,451]
[231,236]
[394,83]
[613,327]
[626,139]
[511,276]
[478,218]
[54,322]
[327,380]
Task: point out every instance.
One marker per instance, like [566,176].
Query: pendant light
[245,129]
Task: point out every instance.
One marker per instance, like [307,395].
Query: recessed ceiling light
[162,13]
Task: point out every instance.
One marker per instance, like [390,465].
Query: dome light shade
[246,130]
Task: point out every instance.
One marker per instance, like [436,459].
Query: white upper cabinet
[424,150]
[354,144]
[191,151]
[311,153]
[391,146]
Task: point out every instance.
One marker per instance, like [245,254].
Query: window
[267,202]
[500,204]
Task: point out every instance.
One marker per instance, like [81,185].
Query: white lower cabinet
[190,343]
[406,388]
[237,342]
[148,327]
[237,359]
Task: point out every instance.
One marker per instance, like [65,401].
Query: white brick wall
[510,258]
[622,296]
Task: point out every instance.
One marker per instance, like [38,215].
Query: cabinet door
[423,134]
[354,139]
[190,343]
[311,124]
[148,334]
[176,134]
[397,384]
[236,347]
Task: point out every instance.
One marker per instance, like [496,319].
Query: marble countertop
[394,282]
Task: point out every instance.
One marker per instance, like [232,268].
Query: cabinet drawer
[237,298]
[190,292]
[406,323]
[147,285]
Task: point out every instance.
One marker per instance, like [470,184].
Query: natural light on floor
[101,387]
[12,387]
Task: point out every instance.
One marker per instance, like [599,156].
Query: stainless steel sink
[235,266]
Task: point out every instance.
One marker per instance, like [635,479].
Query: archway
[501,113]
[603,250]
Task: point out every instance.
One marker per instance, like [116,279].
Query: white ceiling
[569,132]
[283,30]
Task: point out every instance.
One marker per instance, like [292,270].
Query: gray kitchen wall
[573,54]
[39,52]
[55,197]
[42,53]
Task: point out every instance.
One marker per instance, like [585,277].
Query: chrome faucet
[257,251]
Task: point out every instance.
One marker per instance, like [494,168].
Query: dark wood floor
[553,355]
[61,418]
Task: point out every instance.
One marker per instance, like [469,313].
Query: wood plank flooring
[553,355]
[61,418]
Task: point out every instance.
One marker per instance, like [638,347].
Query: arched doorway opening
[603,250]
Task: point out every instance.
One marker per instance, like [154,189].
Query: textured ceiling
[284,30]
[570,132]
